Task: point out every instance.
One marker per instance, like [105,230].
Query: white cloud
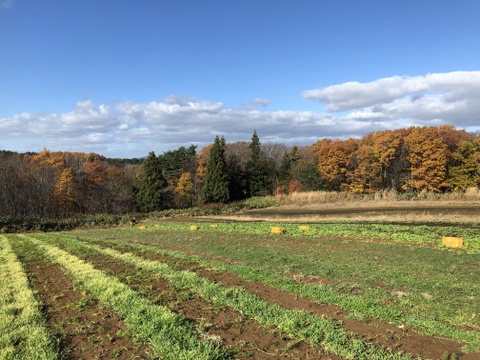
[130,129]
[441,97]
[133,129]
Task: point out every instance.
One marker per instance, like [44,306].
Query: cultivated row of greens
[22,328]
[169,334]
[360,307]
[390,272]
[297,324]
[419,234]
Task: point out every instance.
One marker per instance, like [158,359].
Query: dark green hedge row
[10,224]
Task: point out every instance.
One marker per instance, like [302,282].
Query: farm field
[198,289]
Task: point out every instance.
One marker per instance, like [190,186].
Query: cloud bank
[133,129]
[130,129]
[441,97]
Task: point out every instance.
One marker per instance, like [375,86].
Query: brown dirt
[224,326]
[86,329]
[409,211]
[434,210]
[386,335]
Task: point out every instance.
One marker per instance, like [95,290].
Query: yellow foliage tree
[65,191]
[184,188]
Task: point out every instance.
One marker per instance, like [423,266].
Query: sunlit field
[224,290]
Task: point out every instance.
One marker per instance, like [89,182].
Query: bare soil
[372,330]
[433,210]
[86,329]
[395,211]
[225,327]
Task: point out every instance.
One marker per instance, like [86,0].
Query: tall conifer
[216,182]
[150,185]
[256,170]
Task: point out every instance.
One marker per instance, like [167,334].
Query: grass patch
[22,328]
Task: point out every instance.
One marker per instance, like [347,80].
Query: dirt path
[434,210]
[409,211]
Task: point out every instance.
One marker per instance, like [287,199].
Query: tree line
[62,184]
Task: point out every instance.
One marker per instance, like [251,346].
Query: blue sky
[125,77]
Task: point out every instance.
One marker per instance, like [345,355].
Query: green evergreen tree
[176,162]
[238,179]
[310,178]
[256,169]
[150,185]
[216,182]
[289,162]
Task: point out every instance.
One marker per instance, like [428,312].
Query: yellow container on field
[193,227]
[142,227]
[277,230]
[454,242]
[214,225]
[304,227]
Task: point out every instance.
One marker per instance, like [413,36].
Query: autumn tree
[175,164]
[150,185]
[64,184]
[118,197]
[380,162]
[216,182]
[184,189]
[65,192]
[465,165]
[25,188]
[452,137]
[91,182]
[336,161]
[427,160]
[272,155]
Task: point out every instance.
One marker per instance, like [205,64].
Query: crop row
[170,336]
[22,329]
[361,307]
[418,234]
[184,340]
[296,324]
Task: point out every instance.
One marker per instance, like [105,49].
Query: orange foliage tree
[380,161]
[336,161]
[427,160]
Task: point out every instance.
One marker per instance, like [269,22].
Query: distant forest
[63,184]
